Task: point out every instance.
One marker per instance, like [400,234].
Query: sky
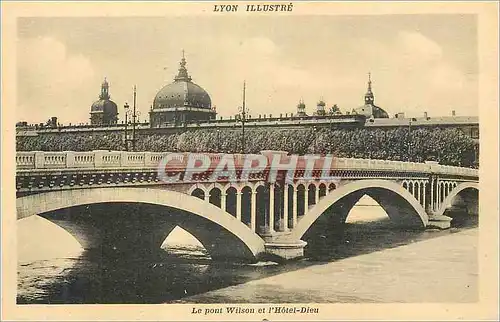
[419,63]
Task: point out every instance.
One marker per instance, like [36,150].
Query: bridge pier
[439,222]
[280,247]
[283,251]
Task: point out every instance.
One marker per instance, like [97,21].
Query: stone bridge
[120,201]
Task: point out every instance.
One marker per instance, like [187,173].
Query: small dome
[104,110]
[378,112]
[182,92]
[106,106]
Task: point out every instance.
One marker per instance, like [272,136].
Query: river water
[53,269]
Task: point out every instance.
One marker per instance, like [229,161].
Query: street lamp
[130,113]
[315,129]
[127,112]
[136,121]
[134,115]
[218,141]
[243,112]
[409,140]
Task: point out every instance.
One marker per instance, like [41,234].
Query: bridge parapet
[90,160]
[150,160]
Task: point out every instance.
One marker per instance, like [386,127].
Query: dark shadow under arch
[333,209]
[464,198]
[141,218]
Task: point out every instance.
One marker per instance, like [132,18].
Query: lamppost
[134,115]
[315,129]
[409,140]
[243,112]
[218,141]
[127,113]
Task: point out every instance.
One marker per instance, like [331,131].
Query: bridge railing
[122,159]
[91,159]
[25,160]
[371,164]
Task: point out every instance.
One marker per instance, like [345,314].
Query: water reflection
[156,279]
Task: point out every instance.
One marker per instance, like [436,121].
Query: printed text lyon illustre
[282,7]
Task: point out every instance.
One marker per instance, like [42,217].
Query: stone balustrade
[122,159]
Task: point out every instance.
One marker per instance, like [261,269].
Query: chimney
[425,115]
[453,113]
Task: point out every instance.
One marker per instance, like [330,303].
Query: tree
[447,146]
[334,110]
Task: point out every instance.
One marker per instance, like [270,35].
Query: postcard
[249,161]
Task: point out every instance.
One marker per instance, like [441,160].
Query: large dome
[182,92]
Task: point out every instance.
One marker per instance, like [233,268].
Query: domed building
[104,111]
[181,102]
[370,109]
[320,108]
[301,109]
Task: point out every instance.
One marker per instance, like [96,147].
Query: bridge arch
[215,185]
[323,190]
[311,193]
[463,195]
[234,185]
[257,185]
[398,203]
[225,237]
[198,193]
[215,196]
[197,187]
